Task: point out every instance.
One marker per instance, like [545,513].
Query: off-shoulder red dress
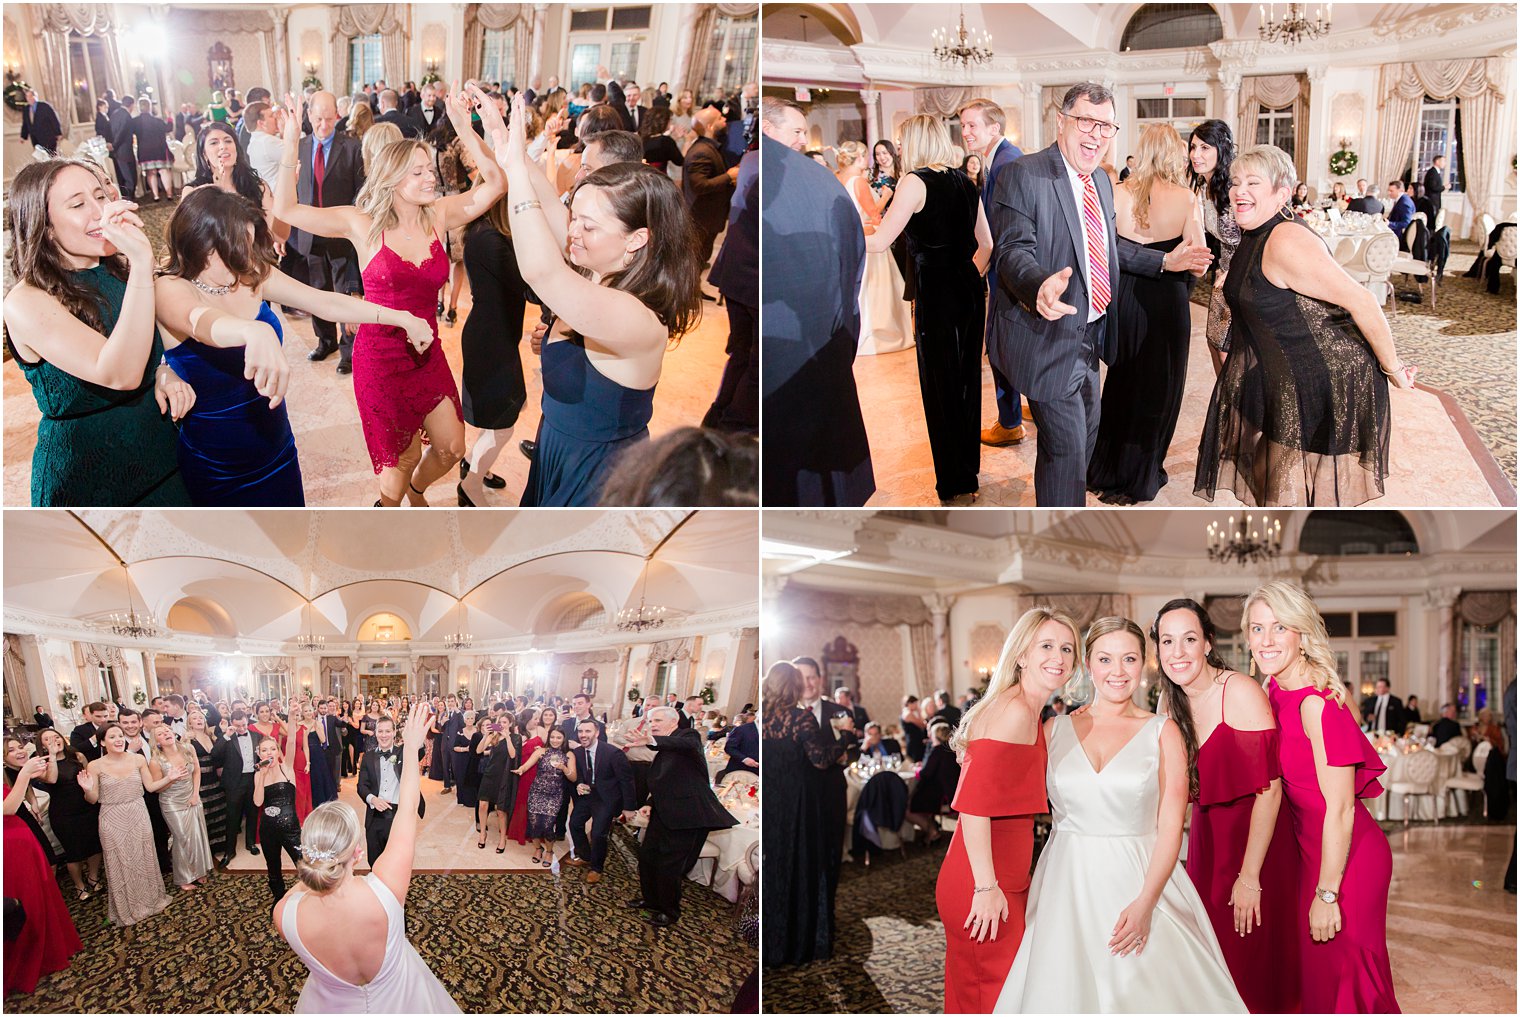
[1005,782]
[1234,766]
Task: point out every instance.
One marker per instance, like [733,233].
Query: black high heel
[501,851]
[464,499]
[494,482]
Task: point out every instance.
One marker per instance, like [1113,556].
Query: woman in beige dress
[180,803]
[117,780]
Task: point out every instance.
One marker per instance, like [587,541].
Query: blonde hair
[1271,162]
[926,144]
[1159,155]
[1008,674]
[327,846]
[382,177]
[848,153]
[360,120]
[1295,609]
[376,138]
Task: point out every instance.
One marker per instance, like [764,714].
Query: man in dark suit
[333,746]
[742,747]
[636,113]
[390,113]
[580,706]
[873,744]
[835,725]
[122,155]
[947,712]
[1402,212]
[85,739]
[736,274]
[380,787]
[1383,710]
[603,789]
[707,182]
[331,173]
[1057,264]
[682,811]
[1448,727]
[816,452]
[1129,167]
[691,714]
[845,698]
[237,756]
[427,113]
[258,93]
[1435,184]
[39,123]
[41,718]
[982,124]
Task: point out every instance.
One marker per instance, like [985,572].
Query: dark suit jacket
[334,746]
[743,743]
[121,136]
[1401,216]
[888,747]
[1444,730]
[43,129]
[569,725]
[1005,153]
[736,270]
[679,794]
[369,779]
[226,756]
[42,719]
[1393,717]
[1434,185]
[635,117]
[613,786]
[949,714]
[705,183]
[810,322]
[82,740]
[342,176]
[1369,205]
[1037,231]
[407,125]
[420,125]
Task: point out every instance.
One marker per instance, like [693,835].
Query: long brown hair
[664,272]
[210,219]
[1177,705]
[36,259]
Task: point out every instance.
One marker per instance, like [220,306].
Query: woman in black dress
[153,155]
[353,738]
[213,797]
[937,780]
[492,389]
[466,762]
[660,149]
[274,798]
[915,731]
[1142,394]
[949,245]
[1211,151]
[1299,414]
[798,922]
[496,756]
[75,821]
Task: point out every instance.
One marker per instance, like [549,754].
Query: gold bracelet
[1242,877]
[523,206]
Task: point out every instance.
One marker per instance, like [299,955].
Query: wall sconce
[432,65]
[12,72]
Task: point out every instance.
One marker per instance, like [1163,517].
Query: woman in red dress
[48,939]
[984,881]
[1345,863]
[301,763]
[1241,856]
[548,719]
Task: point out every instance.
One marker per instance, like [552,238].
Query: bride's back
[346,931]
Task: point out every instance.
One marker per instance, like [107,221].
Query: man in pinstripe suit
[1056,264]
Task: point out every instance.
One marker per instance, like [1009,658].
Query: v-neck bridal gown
[1102,834]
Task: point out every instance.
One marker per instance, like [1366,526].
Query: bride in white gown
[351,931]
[1113,923]
[886,319]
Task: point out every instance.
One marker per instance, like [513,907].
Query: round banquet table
[1390,806]
[854,782]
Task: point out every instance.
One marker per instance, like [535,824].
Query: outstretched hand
[1187,257]
[1048,301]
[296,105]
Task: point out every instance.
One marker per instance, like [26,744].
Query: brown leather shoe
[593,877]
[1028,414]
[998,436]
[577,862]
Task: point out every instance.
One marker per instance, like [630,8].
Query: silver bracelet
[983,889]
[523,206]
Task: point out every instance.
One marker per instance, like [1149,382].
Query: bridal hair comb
[318,856]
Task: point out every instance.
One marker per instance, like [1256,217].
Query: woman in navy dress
[628,289]
[213,305]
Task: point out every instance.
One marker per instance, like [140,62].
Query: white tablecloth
[854,783]
[717,759]
[733,869]
[1347,246]
[1391,806]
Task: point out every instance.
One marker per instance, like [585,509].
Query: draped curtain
[921,642]
[16,688]
[1402,89]
[480,18]
[841,608]
[432,663]
[96,654]
[1082,608]
[941,102]
[57,77]
[1225,612]
[388,20]
[1050,105]
[271,665]
[484,665]
[701,41]
[1482,609]
[1277,92]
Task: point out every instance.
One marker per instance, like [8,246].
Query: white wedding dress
[1102,834]
[404,984]
[886,319]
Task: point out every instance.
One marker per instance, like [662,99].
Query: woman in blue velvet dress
[222,336]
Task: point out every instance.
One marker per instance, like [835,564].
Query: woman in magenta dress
[548,720]
[1345,863]
[48,939]
[405,390]
[1241,855]
[984,880]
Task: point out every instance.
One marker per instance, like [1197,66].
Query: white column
[773,640]
[1441,600]
[620,705]
[1229,83]
[939,611]
[872,99]
[536,61]
[1317,158]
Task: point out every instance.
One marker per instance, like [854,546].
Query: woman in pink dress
[405,391]
[1241,855]
[1345,863]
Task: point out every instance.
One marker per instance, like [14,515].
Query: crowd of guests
[368,214]
[981,237]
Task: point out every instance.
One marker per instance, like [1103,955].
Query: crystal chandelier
[309,642]
[127,624]
[957,46]
[1247,541]
[460,640]
[1294,26]
[643,617]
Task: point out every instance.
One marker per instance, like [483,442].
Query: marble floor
[334,464]
[1432,463]
[446,839]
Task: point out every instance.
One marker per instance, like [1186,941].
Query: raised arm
[910,199]
[394,867]
[458,209]
[169,776]
[184,315]
[338,221]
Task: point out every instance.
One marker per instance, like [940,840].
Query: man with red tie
[1055,268]
[331,173]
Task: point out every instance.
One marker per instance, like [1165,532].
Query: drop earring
[1253,666]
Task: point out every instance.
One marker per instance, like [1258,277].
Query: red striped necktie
[1097,245]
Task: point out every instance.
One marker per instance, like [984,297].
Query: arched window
[1357,532]
[1172,26]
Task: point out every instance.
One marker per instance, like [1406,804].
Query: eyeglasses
[1087,125]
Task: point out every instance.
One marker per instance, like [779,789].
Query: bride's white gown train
[1102,835]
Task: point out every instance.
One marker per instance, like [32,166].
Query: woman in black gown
[496,754]
[213,797]
[949,244]
[74,819]
[797,924]
[1299,414]
[274,797]
[1142,394]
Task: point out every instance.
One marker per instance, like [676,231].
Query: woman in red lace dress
[984,881]
[48,939]
[405,391]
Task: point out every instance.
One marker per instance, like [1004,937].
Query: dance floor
[1451,931]
[334,463]
[1438,455]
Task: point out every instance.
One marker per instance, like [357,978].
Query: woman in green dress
[80,324]
[218,109]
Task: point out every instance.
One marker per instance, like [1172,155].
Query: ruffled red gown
[1350,973]
[303,779]
[1234,766]
[48,939]
[1006,782]
[517,827]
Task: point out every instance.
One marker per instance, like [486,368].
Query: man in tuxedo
[829,782]
[1057,263]
[982,124]
[1383,710]
[85,738]
[742,747]
[174,713]
[580,706]
[123,157]
[736,274]
[41,718]
[1448,727]
[603,789]
[331,173]
[333,746]
[636,113]
[427,113]
[682,811]
[947,711]
[845,698]
[1129,167]
[390,113]
[380,787]
[640,756]
[237,757]
[39,123]
[873,744]
[707,182]
[1364,201]
[1435,184]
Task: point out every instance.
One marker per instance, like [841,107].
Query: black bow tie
[394,755]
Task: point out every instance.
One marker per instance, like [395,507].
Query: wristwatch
[1328,896]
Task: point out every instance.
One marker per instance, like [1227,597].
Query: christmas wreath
[15,95]
[430,78]
[1343,163]
[708,695]
[311,81]
[68,699]
[634,695]
[139,696]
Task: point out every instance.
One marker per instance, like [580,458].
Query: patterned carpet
[514,943]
